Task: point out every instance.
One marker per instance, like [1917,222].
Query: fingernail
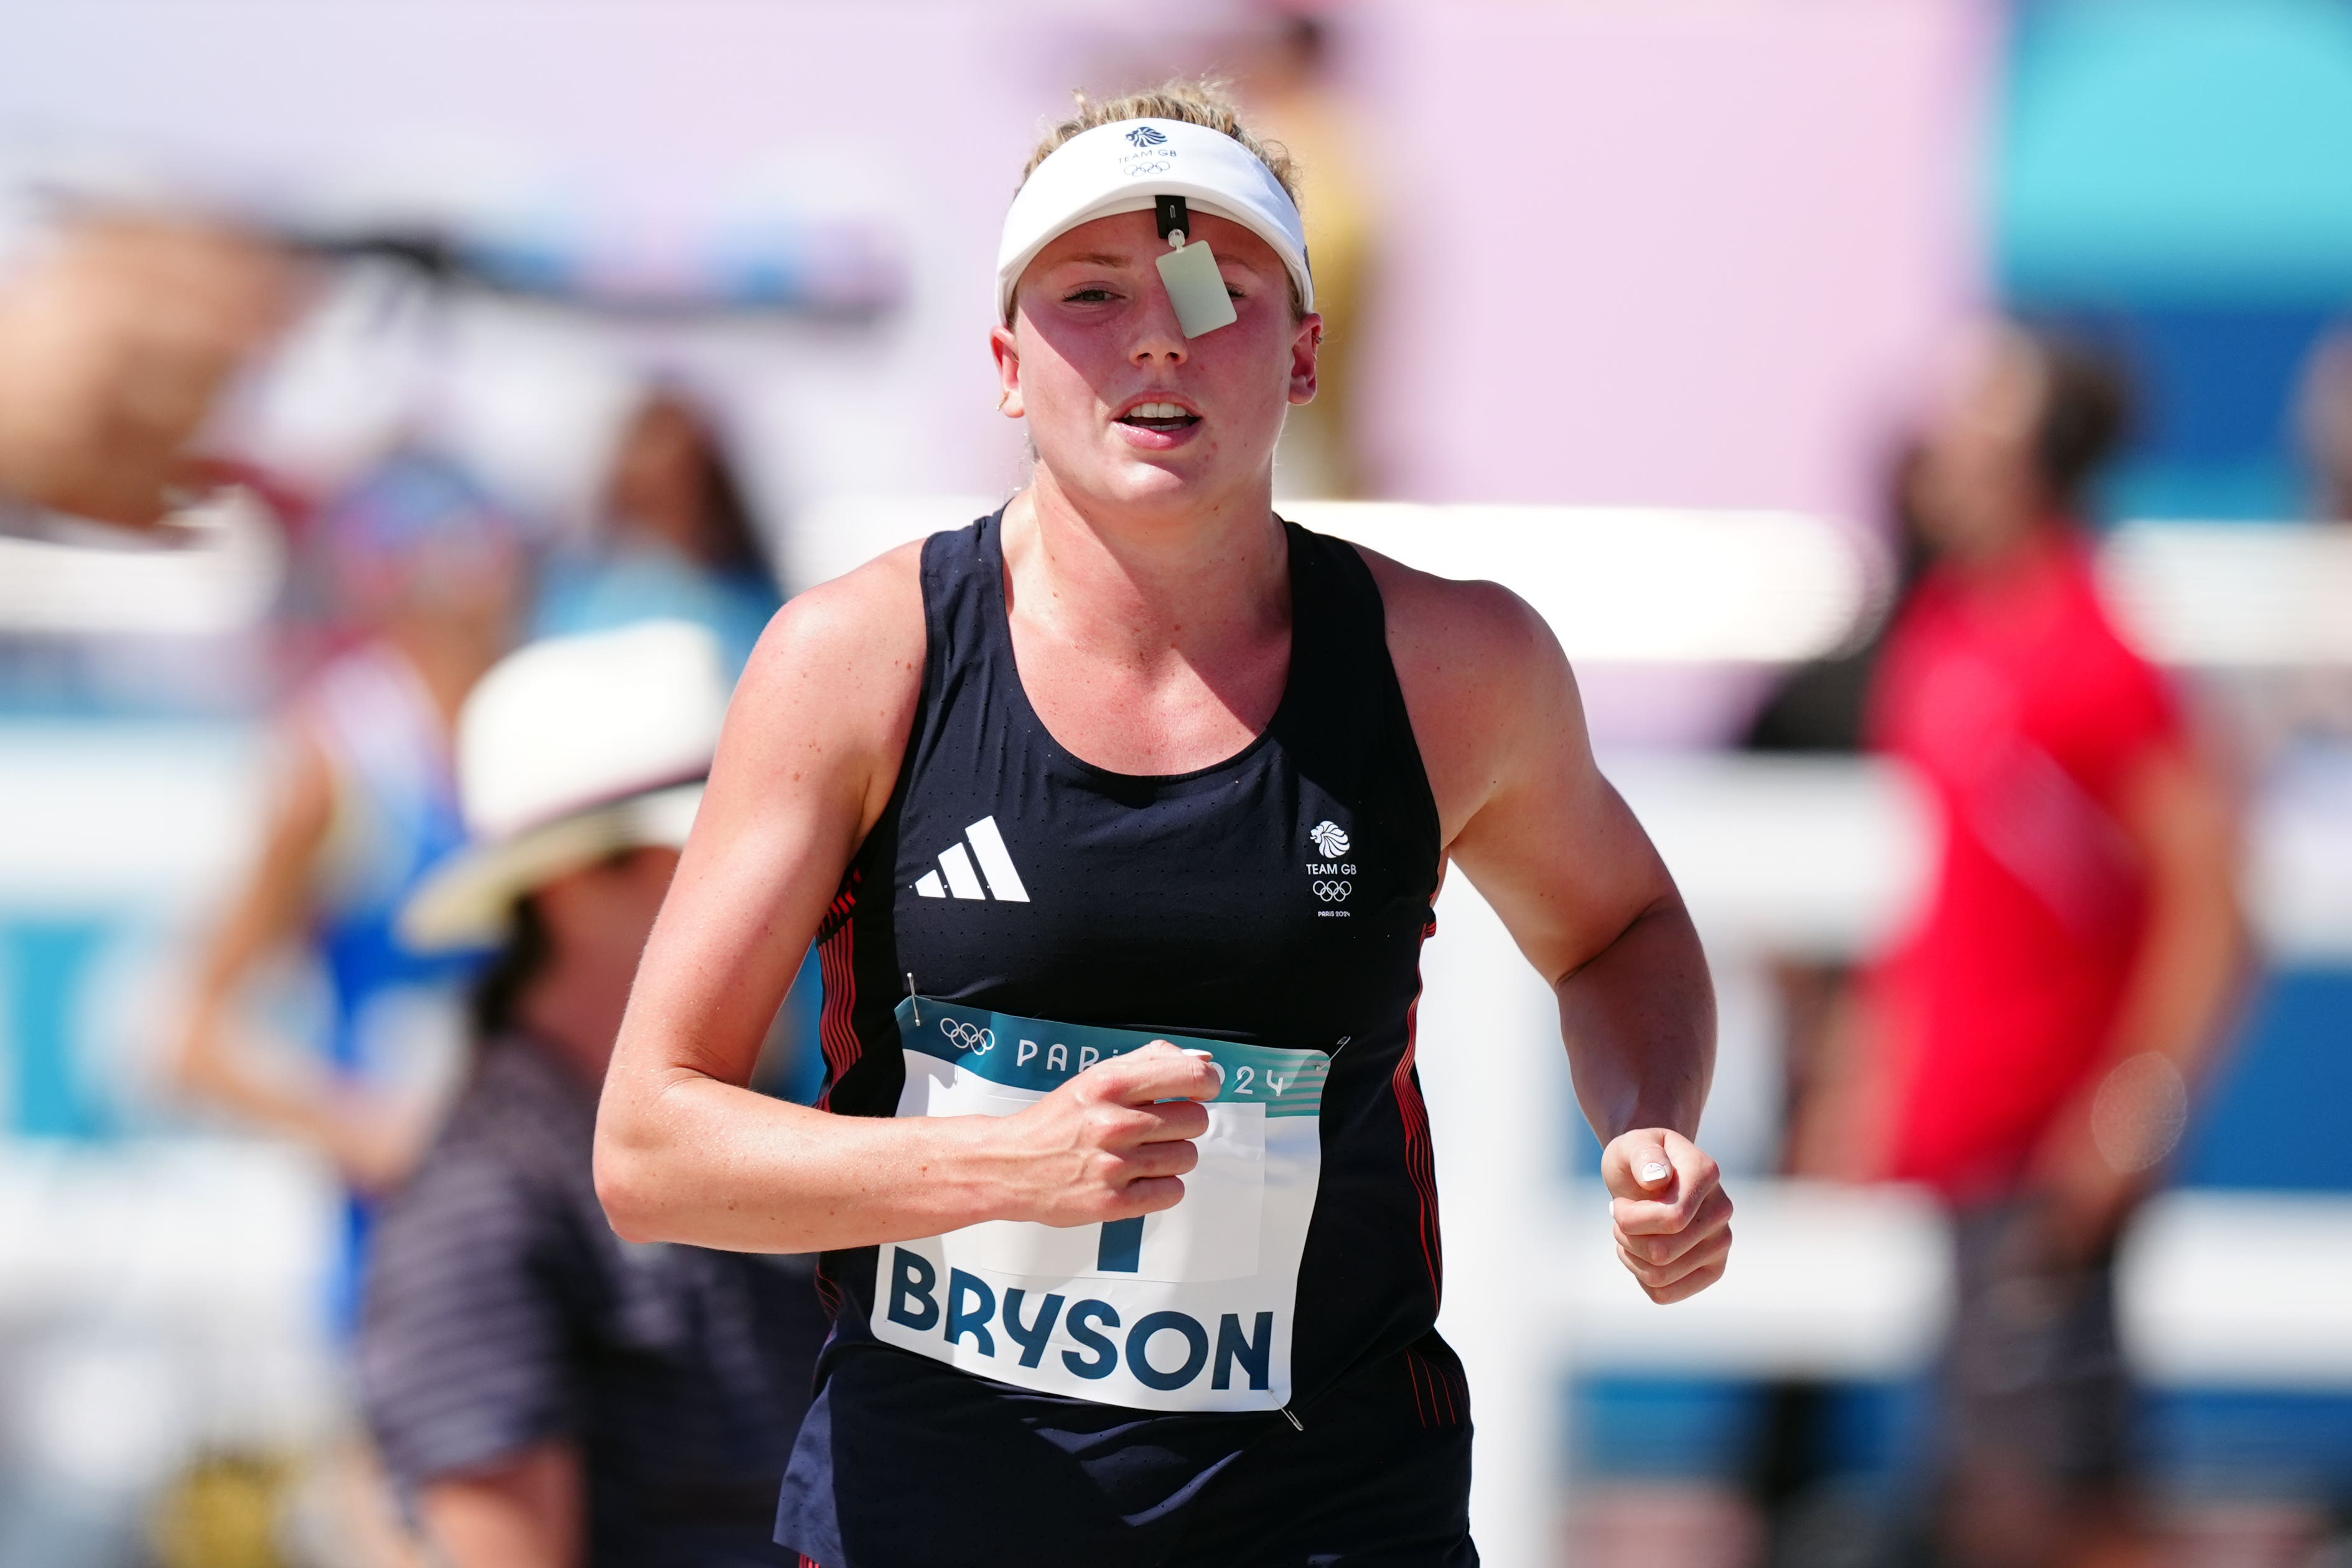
[1653,1172]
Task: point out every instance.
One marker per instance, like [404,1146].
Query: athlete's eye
[1093,294]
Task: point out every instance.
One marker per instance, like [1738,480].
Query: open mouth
[1163,416]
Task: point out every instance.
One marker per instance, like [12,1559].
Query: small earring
[1000,398]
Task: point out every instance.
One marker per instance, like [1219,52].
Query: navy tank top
[1118,1393]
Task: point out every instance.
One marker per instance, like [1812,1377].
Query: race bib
[1189,1309]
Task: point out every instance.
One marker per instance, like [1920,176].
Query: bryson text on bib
[1189,1309]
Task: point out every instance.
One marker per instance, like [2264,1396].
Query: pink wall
[1663,251]
[1680,251]
[1673,252]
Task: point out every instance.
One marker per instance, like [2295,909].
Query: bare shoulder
[868,622]
[833,685]
[1474,629]
[1480,670]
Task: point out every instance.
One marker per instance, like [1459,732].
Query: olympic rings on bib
[968,1037]
[1332,892]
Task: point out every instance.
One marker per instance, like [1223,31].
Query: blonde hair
[1205,102]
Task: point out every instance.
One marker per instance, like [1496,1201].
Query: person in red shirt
[2038,1030]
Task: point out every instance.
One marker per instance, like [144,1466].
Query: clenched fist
[1671,1218]
[1112,1143]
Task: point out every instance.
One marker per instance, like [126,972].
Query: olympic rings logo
[968,1037]
[1332,892]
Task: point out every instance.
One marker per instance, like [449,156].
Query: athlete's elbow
[627,1185]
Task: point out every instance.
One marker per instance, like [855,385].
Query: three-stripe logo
[962,881]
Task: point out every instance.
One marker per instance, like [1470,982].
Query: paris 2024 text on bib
[1189,1309]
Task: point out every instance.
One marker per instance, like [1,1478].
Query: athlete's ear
[1008,372]
[1304,346]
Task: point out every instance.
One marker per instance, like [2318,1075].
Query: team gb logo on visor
[1152,155]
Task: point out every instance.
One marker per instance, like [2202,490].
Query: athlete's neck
[1147,644]
[1202,587]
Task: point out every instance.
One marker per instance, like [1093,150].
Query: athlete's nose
[1159,339]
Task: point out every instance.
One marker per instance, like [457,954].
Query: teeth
[1157,411]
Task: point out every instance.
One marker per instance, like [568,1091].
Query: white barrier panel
[1814,856]
[2244,594]
[147,818]
[1827,1282]
[1639,585]
[164,1295]
[840,533]
[220,573]
[1619,584]
[2216,1289]
[2240,1290]
[1825,857]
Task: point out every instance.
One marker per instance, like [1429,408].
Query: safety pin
[913,1000]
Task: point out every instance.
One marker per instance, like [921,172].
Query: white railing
[2216,1288]
[1815,857]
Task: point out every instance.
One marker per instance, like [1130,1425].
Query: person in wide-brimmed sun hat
[540,1390]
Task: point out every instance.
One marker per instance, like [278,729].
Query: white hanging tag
[1195,287]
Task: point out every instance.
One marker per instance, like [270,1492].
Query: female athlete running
[1120,816]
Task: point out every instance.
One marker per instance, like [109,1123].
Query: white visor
[1122,167]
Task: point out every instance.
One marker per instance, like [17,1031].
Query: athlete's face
[1124,409]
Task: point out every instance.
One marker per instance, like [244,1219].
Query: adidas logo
[996,863]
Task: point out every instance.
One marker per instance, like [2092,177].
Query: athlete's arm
[1527,815]
[685,1151]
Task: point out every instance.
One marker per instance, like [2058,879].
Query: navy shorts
[904,1463]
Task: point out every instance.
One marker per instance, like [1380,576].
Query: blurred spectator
[2032,1044]
[543,1392]
[427,568]
[2323,418]
[676,538]
[116,338]
[1287,81]
[2294,723]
